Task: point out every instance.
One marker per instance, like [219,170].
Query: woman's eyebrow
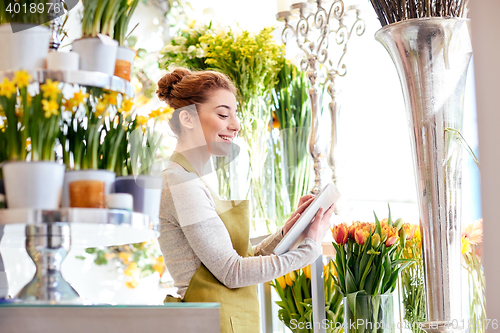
[223,106]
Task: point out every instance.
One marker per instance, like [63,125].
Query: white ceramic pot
[33,184]
[124,62]
[146,191]
[96,54]
[26,49]
[63,61]
[105,176]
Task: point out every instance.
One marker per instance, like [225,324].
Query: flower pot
[33,184]
[105,176]
[96,54]
[124,62]
[146,191]
[87,194]
[373,314]
[63,61]
[25,49]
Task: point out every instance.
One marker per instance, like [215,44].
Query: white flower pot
[96,54]
[33,184]
[26,49]
[124,62]
[105,176]
[63,61]
[146,191]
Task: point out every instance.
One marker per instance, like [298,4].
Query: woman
[204,239]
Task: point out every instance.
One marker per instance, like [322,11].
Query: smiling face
[218,118]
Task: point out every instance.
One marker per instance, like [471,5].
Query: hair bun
[168,81]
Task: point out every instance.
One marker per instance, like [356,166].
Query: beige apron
[239,311]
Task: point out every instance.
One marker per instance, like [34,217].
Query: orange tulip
[409,230]
[361,235]
[392,236]
[340,233]
[282,282]
[307,271]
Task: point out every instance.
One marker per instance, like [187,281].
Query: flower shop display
[472,261]
[368,261]
[294,291]
[293,167]
[22,48]
[412,282]
[430,46]
[30,126]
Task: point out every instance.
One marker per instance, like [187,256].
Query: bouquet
[368,262]
[294,290]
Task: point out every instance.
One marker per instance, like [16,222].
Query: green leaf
[350,284]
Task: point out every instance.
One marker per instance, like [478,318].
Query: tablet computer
[297,233]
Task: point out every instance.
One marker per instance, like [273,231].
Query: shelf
[84,78]
[90,227]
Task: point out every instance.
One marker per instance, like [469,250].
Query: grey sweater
[192,233]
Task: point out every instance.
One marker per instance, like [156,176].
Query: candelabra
[315,28]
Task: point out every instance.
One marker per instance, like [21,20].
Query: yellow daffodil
[141,120]
[7,88]
[22,79]
[126,105]
[80,97]
[100,108]
[50,108]
[50,89]
[131,284]
[110,98]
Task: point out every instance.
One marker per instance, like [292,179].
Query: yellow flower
[131,269]
[100,108]
[307,271]
[50,108]
[141,120]
[110,98]
[21,79]
[282,282]
[131,284]
[50,89]
[80,97]
[124,257]
[465,245]
[126,106]
[7,88]
[290,278]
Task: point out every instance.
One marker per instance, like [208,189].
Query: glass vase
[373,314]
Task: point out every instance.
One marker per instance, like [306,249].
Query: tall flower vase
[369,314]
[431,57]
[257,134]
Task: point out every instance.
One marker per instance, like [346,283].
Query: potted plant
[25,42]
[81,135]
[96,48]
[144,138]
[124,56]
[31,125]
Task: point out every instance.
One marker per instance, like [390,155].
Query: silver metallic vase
[431,57]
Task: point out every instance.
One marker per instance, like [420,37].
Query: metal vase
[431,57]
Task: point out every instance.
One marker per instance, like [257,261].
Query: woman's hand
[304,202]
[320,225]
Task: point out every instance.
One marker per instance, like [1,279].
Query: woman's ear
[186,119]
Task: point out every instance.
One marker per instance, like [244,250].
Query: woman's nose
[235,124]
